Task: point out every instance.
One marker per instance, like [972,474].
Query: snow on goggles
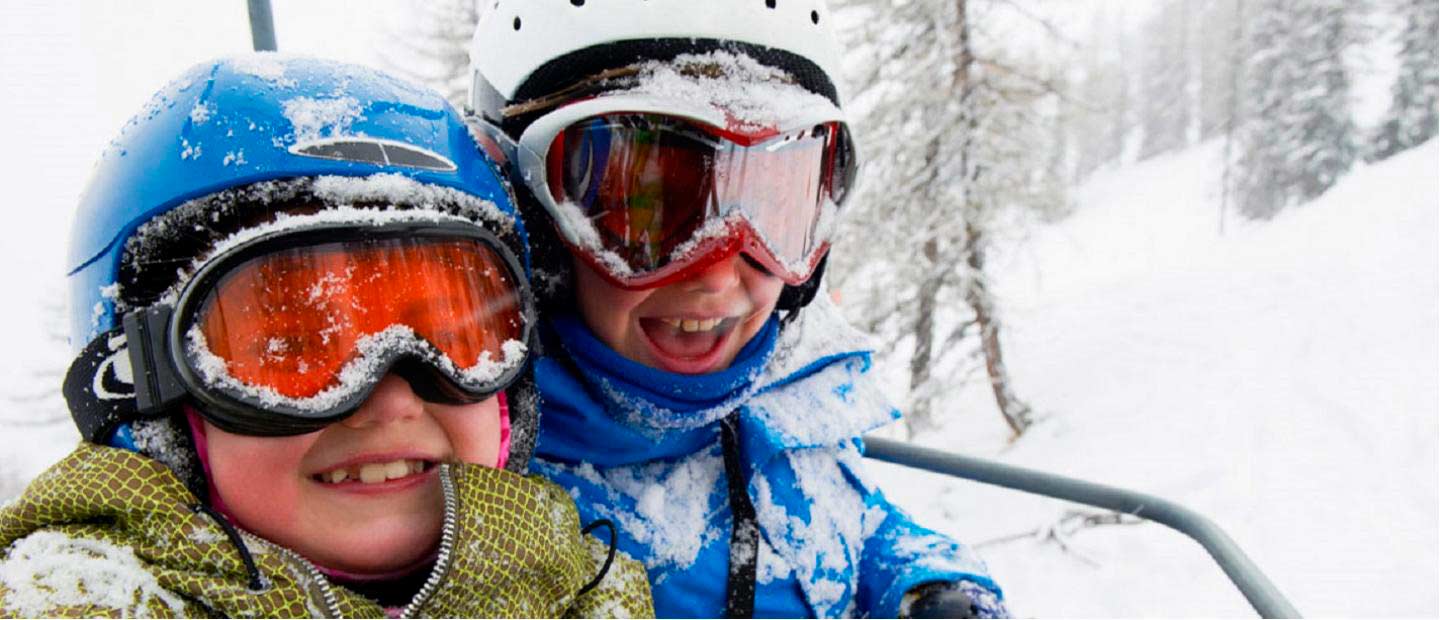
[289,332]
[650,195]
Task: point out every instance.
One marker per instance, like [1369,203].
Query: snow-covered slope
[1280,377]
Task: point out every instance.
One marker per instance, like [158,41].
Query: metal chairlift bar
[1257,588]
[1263,596]
[262,26]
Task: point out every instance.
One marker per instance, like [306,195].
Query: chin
[383,548]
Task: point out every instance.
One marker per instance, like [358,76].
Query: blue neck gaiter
[617,410]
[650,398]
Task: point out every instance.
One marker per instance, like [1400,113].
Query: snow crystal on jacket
[830,544]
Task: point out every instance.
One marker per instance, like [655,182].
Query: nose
[718,276]
[391,401]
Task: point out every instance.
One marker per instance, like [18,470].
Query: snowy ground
[1281,378]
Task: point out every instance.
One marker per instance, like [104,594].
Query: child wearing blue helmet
[303,331]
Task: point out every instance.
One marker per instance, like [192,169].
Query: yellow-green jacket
[107,532]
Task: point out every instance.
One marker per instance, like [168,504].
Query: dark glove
[961,599]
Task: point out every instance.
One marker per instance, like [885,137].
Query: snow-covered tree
[953,167]
[1218,55]
[1101,119]
[1414,106]
[1295,135]
[436,46]
[1166,100]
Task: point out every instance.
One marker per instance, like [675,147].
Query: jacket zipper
[442,558]
[327,594]
[447,545]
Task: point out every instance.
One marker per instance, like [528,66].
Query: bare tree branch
[1064,529]
[1049,26]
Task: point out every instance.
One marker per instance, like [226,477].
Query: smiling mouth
[695,326]
[375,473]
[687,345]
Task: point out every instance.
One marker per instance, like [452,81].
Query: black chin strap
[100,386]
[745,530]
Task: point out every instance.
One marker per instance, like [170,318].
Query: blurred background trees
[1411,120]
[977,119]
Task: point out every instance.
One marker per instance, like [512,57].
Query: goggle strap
[101,388]
[96,390]
[588,87]
[157,388]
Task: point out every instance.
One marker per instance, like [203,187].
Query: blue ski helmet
[239,121]
[226,134]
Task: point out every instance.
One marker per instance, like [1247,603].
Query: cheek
[606,309]
[256,476]
[764,290]
[472,430]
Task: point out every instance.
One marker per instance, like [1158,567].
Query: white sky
[72,73]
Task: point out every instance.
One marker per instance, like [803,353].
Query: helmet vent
[578,2]
[375,152]
[517,22]
[815,17]
[770,4]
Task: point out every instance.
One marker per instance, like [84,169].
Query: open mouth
[375,473]
[688,345]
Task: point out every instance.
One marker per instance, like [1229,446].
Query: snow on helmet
[243,128]
[525,49]
[262,117]
[527,57]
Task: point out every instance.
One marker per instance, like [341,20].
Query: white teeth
[396,469]
[693,325]
[373,473]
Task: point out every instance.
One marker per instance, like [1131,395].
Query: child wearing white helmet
[303,329]
[681,167]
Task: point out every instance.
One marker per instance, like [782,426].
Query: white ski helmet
[546,43]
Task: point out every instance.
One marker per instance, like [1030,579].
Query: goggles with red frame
[290,331]
[650,191]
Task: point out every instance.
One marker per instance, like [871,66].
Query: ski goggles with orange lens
[289,332]
[650,193]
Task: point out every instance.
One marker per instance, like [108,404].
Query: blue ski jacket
[641,447]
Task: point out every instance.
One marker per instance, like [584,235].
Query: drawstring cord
[609,557]
[257,582]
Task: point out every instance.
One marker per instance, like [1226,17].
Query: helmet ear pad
[524,401]
[170,440]
[796,297]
